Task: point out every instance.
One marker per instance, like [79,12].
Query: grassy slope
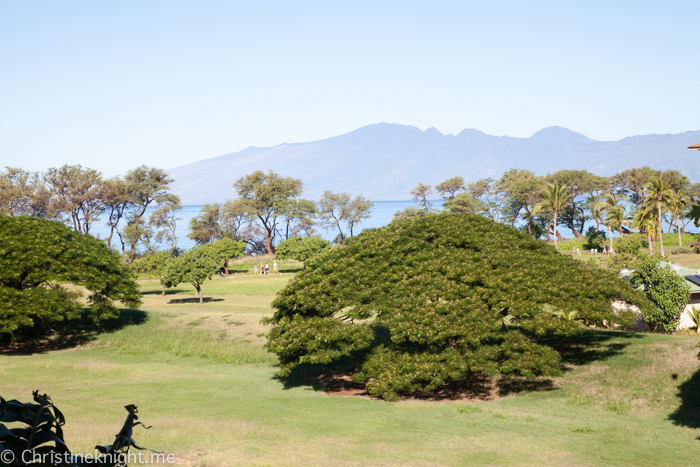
[200,377]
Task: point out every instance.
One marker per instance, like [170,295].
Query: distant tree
[265,197]
[358,210]
[145,186]
[23,193]
[164,221]
[514,187]
[301,249]
[449,188]
[644,220]
[206,226]
[464,203]
[489,192]
[665,289]
[420,195]
[610,201]
[193,267]
[578,183]
[407,213]
[554,198]
[658,194]
[224,250]
[117,201]
[234,219]
[677,206]
[77,192]
[152,264]
[333,211]
[631,183]
[298,214]
[38,257]
[617,218]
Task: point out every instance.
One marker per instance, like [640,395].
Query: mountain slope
[384,161]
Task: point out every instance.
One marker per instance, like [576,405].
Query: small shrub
[618,407]
[580,399]
[594,239]
[467,409]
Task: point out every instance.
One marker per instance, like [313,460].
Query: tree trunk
[163,288]
[555,231]
[651,244]
[661,228]
[611,242]
[268,244]
[199,292]
[678,226]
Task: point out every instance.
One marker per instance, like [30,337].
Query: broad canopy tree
[193,267]
[37,256]
[265,196]
[225,250]
[437,298]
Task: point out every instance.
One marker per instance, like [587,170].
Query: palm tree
[554,198]
[679,201]
[610,202]
[645,222]
[657,193]
[617,217]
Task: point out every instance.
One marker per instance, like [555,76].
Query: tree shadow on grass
[688,413]
[588,347]
[176,301]
[72,333]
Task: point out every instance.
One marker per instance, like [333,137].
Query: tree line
[80,197]
[268,209]
[638,199]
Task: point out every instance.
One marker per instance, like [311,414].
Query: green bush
[438,298]
[594,239]
[665,289]
[301,248]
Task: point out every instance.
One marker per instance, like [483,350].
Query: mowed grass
[267,285]
[201,378]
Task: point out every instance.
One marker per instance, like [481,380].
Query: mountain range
[385,161]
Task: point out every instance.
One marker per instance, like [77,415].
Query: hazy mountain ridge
[384,161]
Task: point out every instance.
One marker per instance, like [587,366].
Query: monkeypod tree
[37,257]
[434,299]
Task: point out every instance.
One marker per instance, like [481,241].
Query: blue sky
[112,85]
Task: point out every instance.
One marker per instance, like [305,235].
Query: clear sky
[115,84]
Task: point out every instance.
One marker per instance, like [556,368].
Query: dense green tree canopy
[301,248]
[38,255]
[433,299]
[224,250]
[192,267]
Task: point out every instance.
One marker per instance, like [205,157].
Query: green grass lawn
[200,376]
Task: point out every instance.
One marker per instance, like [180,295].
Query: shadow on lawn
[688,413]
[590,346]
[176,301]
[70,333]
